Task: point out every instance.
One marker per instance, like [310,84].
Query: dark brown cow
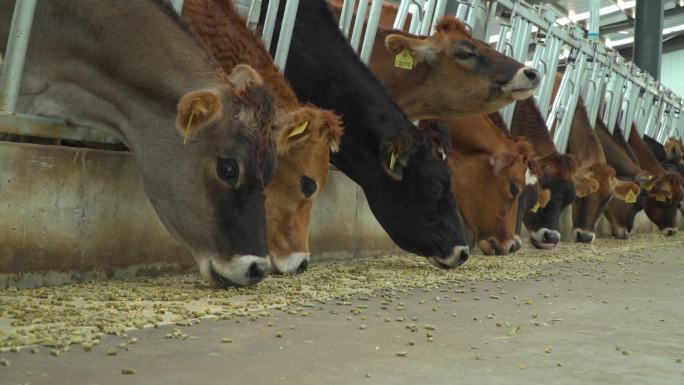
[558,176]
[592,167]
[662,206]
[305,133]
[488,173]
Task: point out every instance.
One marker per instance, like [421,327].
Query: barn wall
[671,74]
[69,214]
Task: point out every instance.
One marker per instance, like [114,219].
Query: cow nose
[302,266]
[550,237]
[531,74]
[516,245]
[670,231]
[584,236]
[257,272]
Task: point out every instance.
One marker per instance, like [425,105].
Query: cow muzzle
[583,236]
[459,256]
[240,270]
[545,239]
[523,83]
[295,263]
[669,231]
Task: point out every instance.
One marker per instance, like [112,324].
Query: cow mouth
[217,279]
[543,245]
[522,93]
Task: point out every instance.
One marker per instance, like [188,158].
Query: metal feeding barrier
[610,88]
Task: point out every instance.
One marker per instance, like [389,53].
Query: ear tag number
[299,129]
[535,208]
[631,197]
[393,160]
[404,60]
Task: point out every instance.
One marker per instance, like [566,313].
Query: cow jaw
[295,263]
[240,270]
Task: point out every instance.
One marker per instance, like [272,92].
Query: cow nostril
[256,272]
[302,266]
[531,74]
[463,257]
[546,237]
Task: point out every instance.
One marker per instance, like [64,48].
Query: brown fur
[224,33]
[484,164]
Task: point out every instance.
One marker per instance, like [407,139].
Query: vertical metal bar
[427,17]
[359,22]
[477,19]
[286,28]
[594,18]
[371,30]
[440,8]
[177,5]
[15,55]
[402,14]
[490,20]
[414,10]
[254,14]
[269,22]
[545,89]
[346,16]
[648,36]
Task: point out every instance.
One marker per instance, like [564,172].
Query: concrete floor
[614,322]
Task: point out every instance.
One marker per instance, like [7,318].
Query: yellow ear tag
[404,59]
[393,160]
[660,197]
[649,186]
[631,197]
[186,134]
[299,129]
[535,208]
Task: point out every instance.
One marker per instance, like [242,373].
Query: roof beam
[629,24]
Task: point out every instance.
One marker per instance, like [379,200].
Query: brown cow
[305,133]
[488,173]
[558,176]
[662,206]
[448,75]
[592,167]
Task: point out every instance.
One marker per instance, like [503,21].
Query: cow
[448,75]
[201,140]
[488,175]
[592,169]
[304,134]
[406,182]
[557,181]
[670,155]
[662,206]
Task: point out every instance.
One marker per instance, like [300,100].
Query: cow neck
[323,69]
[616,156]
[656,148]
[619,138]
[224,33]
[127,77]
[529,123]
[583,143]
[476,135]
[646,159]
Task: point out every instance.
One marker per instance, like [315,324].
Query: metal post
[253,14]
[594,17]
[427,17]
[346,16]
[648,36]
[286,28]
[269,22]
[15,56]
[414,27]
[177,5]
[440,9]
[371,30]
[359,22]
[402,14]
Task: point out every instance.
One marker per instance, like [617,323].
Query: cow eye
[227,169]
[515,190]
[464,55]
[308,186]
[437,190]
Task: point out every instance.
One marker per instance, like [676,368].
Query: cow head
[420,183]
[223,158]
[587,210]
[488,187]
[558,190]
[304,138]
[664,199]
[461,76]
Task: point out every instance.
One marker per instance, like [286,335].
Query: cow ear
[243,76]
[394,155]
[420,50]
[585,185]
[331,128]
[501,160]
[544,197]
[197,110]
[626,191]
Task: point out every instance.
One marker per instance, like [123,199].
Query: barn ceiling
[617,18]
